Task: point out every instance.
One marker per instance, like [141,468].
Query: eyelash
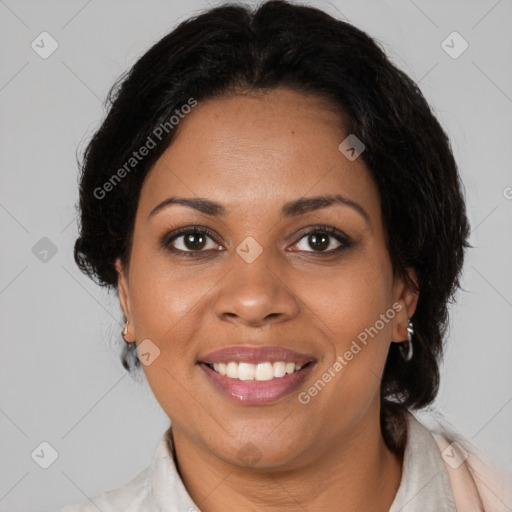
[167,240]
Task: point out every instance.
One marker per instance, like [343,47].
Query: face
[263,271]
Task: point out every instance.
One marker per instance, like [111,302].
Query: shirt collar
[167,492]
[425,484]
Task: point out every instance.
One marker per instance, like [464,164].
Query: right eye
[189,240]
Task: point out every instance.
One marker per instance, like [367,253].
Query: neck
[360,474]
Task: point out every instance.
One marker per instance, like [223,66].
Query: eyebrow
[294,208]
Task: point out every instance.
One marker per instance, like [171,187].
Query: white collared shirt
[425,484]
[424,487]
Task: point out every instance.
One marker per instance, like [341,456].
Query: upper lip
[254,354]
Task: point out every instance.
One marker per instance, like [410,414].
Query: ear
[406,300]
[124,297]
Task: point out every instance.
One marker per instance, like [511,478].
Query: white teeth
[232,370]
[261,371]
[279,369]
[264,371]
[290,367]
[222,368]
[246,371]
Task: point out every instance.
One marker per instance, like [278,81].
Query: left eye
[321,241]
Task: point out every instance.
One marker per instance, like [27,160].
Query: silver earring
[408,352]
[124,332]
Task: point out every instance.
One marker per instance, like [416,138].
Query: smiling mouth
[263,371]
[256,375]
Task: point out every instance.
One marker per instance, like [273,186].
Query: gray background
[61,380]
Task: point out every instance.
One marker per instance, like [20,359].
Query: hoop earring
[407,352]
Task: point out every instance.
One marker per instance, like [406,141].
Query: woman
[282,217]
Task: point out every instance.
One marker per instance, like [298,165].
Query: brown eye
[319,241]
[194,241]
[324,240]
[190,240]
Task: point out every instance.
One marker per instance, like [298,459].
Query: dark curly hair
[279,44]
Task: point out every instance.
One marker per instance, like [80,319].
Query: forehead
[259,151]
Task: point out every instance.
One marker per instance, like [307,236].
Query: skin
[253,153]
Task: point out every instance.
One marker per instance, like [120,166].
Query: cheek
[354,309]
[351,301]
[163,295]
[168,307]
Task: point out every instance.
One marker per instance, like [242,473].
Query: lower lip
[253,392]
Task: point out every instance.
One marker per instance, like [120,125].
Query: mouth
[256,375]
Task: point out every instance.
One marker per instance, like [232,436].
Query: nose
[255,294]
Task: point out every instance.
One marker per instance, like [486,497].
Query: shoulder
[158,487]
[126,498]
[476,485]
